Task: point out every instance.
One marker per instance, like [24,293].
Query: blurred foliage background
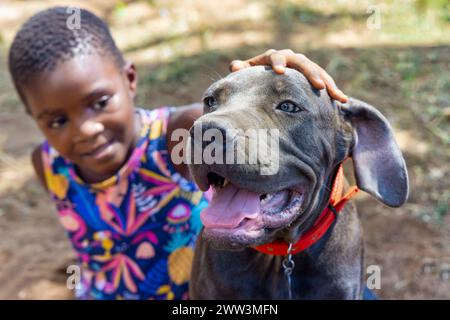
[393,54]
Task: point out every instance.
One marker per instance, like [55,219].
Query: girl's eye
[101,103]
[289,106]
[210,101]
[57,123]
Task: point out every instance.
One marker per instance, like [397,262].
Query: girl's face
[85,109]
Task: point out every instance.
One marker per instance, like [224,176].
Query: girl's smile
[102,152]
[87,114]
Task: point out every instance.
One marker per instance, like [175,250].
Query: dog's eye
[210,101]
[289,106]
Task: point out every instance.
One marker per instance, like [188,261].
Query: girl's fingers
[308,68]
[237,65]
[278,62]
[281,59]
[262,59]
[332,89]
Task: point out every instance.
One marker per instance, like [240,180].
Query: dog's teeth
[267,197]
[263,198]
[225,182]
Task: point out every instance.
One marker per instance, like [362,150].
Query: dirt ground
[408,81]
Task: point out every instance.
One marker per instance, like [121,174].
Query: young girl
[130,213]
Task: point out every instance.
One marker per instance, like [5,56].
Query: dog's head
[269,146]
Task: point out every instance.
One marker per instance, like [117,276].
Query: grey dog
[316,134]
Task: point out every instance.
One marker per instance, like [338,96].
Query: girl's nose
[89,129]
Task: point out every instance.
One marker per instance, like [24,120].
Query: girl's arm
[36,160]
[184,117]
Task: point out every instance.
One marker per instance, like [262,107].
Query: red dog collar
[322,224]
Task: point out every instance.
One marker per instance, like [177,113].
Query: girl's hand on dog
[280,59]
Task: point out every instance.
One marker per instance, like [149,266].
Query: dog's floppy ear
[379,166]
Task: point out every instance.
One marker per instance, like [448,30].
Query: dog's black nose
[212,135]
[209,132]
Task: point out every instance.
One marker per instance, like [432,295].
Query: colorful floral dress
[134,233]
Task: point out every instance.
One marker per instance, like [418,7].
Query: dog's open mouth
[239,212]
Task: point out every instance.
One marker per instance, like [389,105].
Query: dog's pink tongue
[229,207]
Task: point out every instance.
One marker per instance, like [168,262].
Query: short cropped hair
[46,39]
